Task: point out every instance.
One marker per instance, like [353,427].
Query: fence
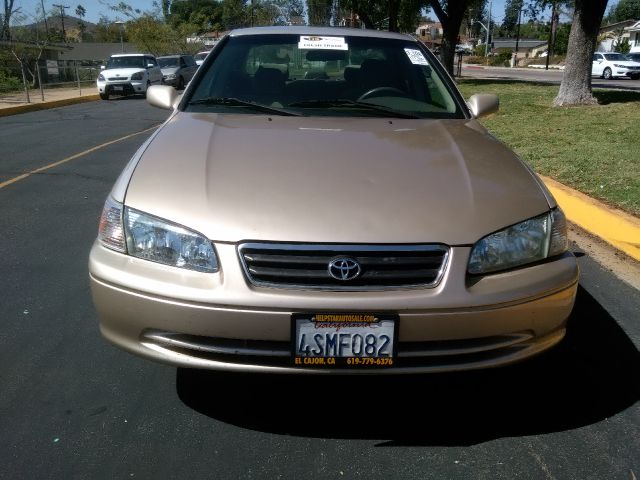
[29,84]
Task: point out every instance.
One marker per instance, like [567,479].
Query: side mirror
[163,96]
[150,65]
[102,67]
[483,104]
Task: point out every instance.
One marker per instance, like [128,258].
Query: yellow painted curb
[34,107]
[614,226]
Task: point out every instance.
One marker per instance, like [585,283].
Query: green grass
[594,149]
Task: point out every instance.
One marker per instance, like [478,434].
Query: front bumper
[219,321]
[122,88]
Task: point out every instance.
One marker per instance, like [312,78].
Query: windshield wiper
[236,102]
[352,103]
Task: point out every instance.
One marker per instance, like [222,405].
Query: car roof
[174,56]
[132,55]
[320,31]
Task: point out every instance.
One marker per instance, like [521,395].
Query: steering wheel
[378,91]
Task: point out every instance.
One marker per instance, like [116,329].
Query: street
[72,406]
[541,75]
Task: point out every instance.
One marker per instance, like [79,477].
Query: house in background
[610,35]
[634,37]
[527,47]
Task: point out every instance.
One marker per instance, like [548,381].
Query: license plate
[343,340]
[117,88]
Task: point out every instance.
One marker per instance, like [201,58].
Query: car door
[598,64]
[155,73]
[190,67]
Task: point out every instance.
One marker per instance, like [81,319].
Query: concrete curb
[34,107]
[617,228]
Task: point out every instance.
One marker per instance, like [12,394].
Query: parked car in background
[612,65]
[128,74]
[633,57]
[362,221]
[177,70]
[200,56]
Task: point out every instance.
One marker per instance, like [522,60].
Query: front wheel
[104,96]
[607,74]
[635,76]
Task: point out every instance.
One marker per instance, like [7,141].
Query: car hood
[345,180]
[626,63]
[169,70]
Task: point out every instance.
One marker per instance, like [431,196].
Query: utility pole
[62,9]
[486,48]
[44,14]
[552,35]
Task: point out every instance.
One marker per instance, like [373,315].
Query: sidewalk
[12,104]
[614,226]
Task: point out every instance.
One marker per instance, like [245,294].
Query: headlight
[137,76]
[150,238]
[526,242]
[157,240]
[101,78]
[619,66]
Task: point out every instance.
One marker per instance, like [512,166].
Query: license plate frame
[338,332]
[117,88]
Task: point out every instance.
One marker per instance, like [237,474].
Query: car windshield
[169,62]
[614,56]
[126,62]
[326,76]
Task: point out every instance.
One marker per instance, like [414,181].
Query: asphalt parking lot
[72,406]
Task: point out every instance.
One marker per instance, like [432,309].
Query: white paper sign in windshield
[313,42]
[416,56]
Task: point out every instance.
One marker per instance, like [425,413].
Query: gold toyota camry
[323,200]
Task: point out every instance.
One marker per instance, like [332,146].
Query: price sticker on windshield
[416,56]
[313,42]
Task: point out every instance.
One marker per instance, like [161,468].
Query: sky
[96,8]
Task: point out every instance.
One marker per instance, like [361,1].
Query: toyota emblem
[344,269]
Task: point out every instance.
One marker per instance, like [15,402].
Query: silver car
[177,70]
[323,200]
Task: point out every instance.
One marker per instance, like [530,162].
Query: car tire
[607,74]
[635,77]
[104,96]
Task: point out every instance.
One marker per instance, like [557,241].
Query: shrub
[9,83]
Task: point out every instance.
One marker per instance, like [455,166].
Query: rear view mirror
[163,96]
[483,104]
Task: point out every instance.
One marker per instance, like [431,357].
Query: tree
[512,10]
[575,88]
[319,11]
[624,10]
[450,13]
[81,12]
[5,32]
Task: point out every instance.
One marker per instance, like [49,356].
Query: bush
[9,83]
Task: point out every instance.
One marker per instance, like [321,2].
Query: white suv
[128,74]
[611,65]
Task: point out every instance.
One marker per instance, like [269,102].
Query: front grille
[307,266]
[118,79]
